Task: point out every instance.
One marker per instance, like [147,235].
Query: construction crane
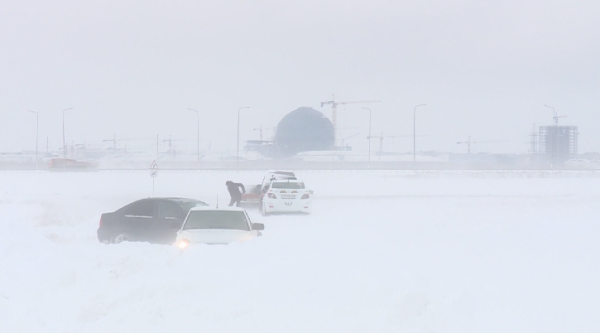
[263,130]
[381,137]
[260,129]
[334,105]
[172,150]
[345,138]
[469,143]
[114,140]
[555,115]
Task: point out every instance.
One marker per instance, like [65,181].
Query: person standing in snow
[234,192]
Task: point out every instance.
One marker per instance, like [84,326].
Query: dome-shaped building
[304,129]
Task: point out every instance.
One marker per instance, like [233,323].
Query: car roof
[226,209]
[169,198]
[183,199]
[283,172]
[154,199]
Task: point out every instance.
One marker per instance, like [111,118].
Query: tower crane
[172,151]
[260,129]
[334,105]
[114,140]
[345,138]
[555,115]
[469,143]
[381,137]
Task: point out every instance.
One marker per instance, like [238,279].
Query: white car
[286,196]
[217,226]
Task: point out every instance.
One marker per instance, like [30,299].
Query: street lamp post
[64,143]
[237,155]
[198,114]
[415,132]
[369,137]
[37,127]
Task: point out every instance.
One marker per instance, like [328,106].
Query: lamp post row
[37,132]
[237,136]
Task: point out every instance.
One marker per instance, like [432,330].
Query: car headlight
[183,244]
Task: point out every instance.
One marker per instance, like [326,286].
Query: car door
[138,220]
[263,189]
[169,219]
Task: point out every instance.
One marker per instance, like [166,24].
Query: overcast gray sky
[133,68]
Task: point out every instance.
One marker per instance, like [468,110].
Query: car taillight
[271,195]
[100,222]
[305,196]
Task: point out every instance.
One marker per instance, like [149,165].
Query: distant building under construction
[558,143]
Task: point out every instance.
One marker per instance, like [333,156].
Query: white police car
[286,196]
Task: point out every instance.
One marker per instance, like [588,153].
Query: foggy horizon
[133,69]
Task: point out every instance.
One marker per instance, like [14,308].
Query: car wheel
[120,238]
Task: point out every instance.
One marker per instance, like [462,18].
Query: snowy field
[382,252]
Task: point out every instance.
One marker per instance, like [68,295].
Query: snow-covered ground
[382,252]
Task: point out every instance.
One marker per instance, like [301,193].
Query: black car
[154,220]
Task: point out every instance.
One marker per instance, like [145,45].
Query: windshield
[189,204]
[214,219]
[290,185]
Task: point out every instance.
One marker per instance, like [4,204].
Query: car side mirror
[258,226]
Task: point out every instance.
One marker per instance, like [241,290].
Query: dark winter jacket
[234,189]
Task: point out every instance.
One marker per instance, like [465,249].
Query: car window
[214,219]
[288,185]
[141,209]
[189,204]
[170,210]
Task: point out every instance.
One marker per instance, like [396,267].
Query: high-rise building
[558,143]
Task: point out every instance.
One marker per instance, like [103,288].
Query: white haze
[133,68]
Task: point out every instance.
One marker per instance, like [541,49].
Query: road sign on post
[153,173]
[153,169]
